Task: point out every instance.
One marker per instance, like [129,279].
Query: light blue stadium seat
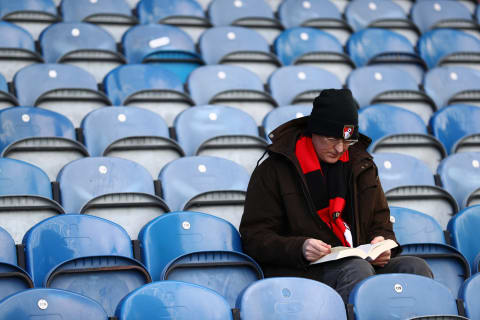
[231,86]
[6,98]
[320,14]
[166,45]
[66,89]
[385,14]
[457,127]
[207,184]
[284,114]
[86,255]
[463,228]
[149,86]
[460,174]
[177,233]
[453,85]
[255,14]
[185,14]
[131,133]
[32,15]
[394,129]
[300,84]
[113,188]
[441,47]
[313,47]
[389,85]
[41,137]
[469,294]
[220,131]
[40,303]
[17,50]
[173,299]
[113,15]
[290,298]
[384,47]
[425,296]
[415,227]
[238,46]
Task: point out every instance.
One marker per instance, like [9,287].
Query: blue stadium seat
[41,137]
[17,50]
[460,174]
[6,98]
[290,298]
[130,133]
[384,47]
[300,84]
[113,15]
[463,228]
[254,14]
[66,89]
[82,44]
[113,188]
[457,127]
[231,86]
[385,14]
[86,255]
[40,303]
[283,114]
[238,46]
[473,198]
[469,294]
[453,85]
[8,253]
[220,131]
[206,184]
[149,86]
[173,299]
[320,14]
[389,85]
[164,45]
[32,15]
[425,296]
[170,236]
[313,47]
[185,14]
[441,47]
[226,272]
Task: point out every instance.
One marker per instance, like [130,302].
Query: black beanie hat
[335,114]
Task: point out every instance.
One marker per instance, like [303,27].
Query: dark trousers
[344,274]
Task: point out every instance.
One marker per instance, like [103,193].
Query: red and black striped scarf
[328,187]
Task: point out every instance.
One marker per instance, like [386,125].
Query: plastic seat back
[362,14]
[294,13]
[469,294]
[280,115]
[429,15]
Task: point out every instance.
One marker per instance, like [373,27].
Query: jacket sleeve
[264,221]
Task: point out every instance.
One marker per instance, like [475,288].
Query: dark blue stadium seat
[165,45]
[384,47]
[313,47]
[113,15]
[220,131]
[284,114]
[389,85]
[206,184]
[425,296]
[290,298]
[238,46]
[174,299]
[149,86]
[41,137]
[17,50]
[460,174]
[300,84]
[185,14]
[320,14]
[469,294]
[175,234]
[453,85]
[463,228]
[457,127]
[442,47]
[6,98]
[41,303]
[66,89]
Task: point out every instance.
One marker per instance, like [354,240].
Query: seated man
[319,189]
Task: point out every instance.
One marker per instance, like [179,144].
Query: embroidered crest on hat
[347,131]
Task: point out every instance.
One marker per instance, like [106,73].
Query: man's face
[328,149]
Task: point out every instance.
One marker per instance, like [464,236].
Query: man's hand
[382,259]
[314,249]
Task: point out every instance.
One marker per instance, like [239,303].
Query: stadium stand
[284,114]
[469,294]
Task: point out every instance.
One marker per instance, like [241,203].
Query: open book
[365,251]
